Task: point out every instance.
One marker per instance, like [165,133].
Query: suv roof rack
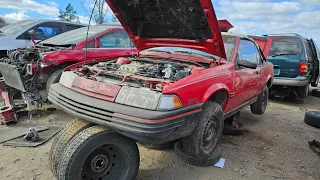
[290,34]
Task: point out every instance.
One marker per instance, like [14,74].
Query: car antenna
[85,57]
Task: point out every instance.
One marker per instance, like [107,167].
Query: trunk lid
[180,23]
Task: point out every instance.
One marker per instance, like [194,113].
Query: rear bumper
[142,125]
[298,81]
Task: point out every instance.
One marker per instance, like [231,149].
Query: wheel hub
[99,163]
[209,135]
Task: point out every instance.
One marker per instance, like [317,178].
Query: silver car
[18,35]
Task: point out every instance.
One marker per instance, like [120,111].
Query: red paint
[7,113]
[95,88]
[77,54]
[213,46]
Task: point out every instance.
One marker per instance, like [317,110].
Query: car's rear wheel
[302,92]
[260,106]
[61,141]
[205,138]
[97,153]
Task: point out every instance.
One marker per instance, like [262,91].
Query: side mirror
[247,64]
[29,34]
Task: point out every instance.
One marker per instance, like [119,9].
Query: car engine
[136,72]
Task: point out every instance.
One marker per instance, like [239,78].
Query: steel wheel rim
[104,162]
[209,138]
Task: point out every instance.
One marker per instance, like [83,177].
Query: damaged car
[186,80]
[19,34]
[28,73]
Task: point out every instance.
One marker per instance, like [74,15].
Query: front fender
[213,89]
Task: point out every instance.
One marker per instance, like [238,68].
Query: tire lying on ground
[259,107]
[204,140]
[211,160]
[99,153]
[312,118]
[61,140]
[316,92]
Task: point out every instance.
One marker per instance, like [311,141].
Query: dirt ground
[275,147]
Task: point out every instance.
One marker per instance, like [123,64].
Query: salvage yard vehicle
[18,35]
[29,72]
[296,65]
[186,80]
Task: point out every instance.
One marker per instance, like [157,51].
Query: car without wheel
[28,73]
[187,79]
[19,34]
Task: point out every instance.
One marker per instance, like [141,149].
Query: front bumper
[298,81]
[143,125]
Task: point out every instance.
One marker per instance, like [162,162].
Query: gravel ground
[275,147]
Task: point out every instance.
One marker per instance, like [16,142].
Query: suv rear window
[285,45]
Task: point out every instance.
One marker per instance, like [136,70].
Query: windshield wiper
[157,50]
[194,53]
[283,54]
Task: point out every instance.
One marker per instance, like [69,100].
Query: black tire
[98,153]
[312,118]
[260,106]
[53,78]
[211,160]
[316,92]
[302,92]
[232,126]
[165,146]
[205,138]
[61,141]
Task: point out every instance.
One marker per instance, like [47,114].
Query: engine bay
[140,72]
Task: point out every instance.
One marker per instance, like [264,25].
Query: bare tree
[102,12]
[3,22]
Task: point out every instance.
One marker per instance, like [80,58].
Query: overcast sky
[253,17]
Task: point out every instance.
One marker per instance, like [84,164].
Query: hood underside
[180,23]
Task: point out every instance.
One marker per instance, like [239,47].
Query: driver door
[247,80]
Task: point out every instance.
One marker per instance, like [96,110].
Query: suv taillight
[303,68]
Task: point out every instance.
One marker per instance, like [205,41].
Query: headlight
[169,102]
[67,78]
[147,99]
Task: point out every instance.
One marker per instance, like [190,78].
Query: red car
[32,70]
[187,79]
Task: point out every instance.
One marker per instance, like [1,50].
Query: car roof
[52,20]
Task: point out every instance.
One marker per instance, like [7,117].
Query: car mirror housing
[247,64]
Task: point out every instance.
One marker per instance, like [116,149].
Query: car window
[229,44]
[285,46]
[248,51]
[117,39]
[47,30]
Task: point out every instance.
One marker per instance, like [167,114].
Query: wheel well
[220,97]
[269,83]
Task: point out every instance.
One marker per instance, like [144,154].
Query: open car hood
[264,43]
[179,23]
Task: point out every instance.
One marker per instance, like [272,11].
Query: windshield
[74,36]
[285,46]
[178,50]
[15,28]
[229,44]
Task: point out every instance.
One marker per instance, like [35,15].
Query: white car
[17,35]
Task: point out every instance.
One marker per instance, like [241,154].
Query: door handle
[258,72]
